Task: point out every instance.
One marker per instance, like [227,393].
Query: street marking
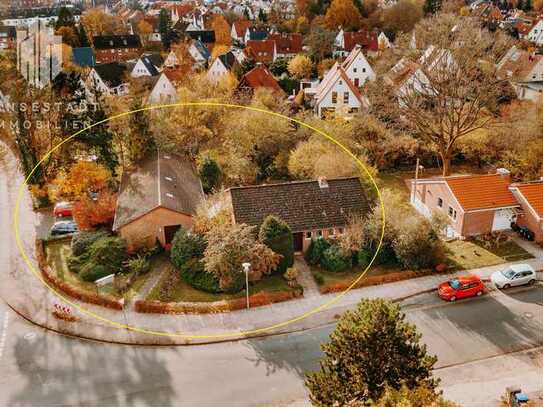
[4,334]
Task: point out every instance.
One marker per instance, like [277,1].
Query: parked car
[63,209]
[63,227]
[517,274]
[461,287]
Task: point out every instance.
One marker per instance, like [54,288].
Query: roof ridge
[304,181]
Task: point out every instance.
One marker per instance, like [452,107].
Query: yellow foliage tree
[97,22]
[82,177]
[222,30]
[219,49]
[342,13]
[300,66]
[144,29]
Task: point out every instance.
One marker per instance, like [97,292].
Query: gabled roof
[116,41]
[401,72]
[366,39]
[481,191]
[261,50]
[353,55]
[533,193]
[241,26]
[337,74]
[303,205]
[257,35]
[228,60]
[202,49]
[287,43]
[152,62]
[518,64]
[113,74]
[162,180]
[259,77]
[83,57]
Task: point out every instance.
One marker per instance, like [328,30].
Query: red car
[461,287]
[63,209]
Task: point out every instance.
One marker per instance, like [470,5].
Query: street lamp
[246,269]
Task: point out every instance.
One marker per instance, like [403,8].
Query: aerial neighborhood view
[333,203]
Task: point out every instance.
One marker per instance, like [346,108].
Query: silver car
[514,275]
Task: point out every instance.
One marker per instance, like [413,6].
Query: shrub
[363,258]
[333,259]
[83,240]
[315,251]
[186,246]
[193,272]
[210,174]
[93,272]
[276,234]
[138,265]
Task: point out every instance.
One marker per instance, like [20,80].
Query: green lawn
[57,253]
[465,255]
[183,292]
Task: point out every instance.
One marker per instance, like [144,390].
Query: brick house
[474,204]
[312,209]
[264,51]
[156,199]
[530,198]
[110,48]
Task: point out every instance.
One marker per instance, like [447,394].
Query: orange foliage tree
[343,13]
[222,30]
[90,214]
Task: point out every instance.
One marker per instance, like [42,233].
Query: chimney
[504,173]
[323,183]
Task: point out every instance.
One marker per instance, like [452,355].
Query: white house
[383,41]
[222,65]
[108,79]
[239,29]
[524,70]
[199,52]
[536,33]
[147,65]
[164,90]
[172,60]
[357,68]
[338,94]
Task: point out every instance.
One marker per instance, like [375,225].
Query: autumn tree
[97,22]
[82,178]
[165,28]
[371,348]
[300,67]
[144,29]
[231,246]
[91,214]
[69,36]
[402,16]
[320,42]
[222,30]
[65,18]
[342,13]
[406,397]
[455,90]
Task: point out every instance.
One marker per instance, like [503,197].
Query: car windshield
[508,273]
[454,284]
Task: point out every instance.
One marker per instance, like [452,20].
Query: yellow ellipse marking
[181,334]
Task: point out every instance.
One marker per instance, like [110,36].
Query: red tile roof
[287,43]
[366,39]
[260,77]
[261,51]
[533,193]
[241,26]
[481,191]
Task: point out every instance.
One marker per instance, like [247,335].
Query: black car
[64,227]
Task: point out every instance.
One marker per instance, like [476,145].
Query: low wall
[256,300]
[74,292]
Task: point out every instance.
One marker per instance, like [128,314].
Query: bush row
[256,300]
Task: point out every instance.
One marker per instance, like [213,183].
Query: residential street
[49,370]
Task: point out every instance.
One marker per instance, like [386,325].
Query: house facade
[155,200]
[109,79]
[524,71]
[312,209]
[473,205]
[530,198]
[346,41]
[535,35]
[264,51]
[111,48]
[221,66]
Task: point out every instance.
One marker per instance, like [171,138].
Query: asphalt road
[42,369]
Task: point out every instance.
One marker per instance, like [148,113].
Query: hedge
[103,257]
[276,234]
[186,246]
[194,273]
[334,260]
[316,249]
[81,241]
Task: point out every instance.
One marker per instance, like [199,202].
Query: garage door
[502,219]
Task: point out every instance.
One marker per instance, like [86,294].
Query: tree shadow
[299,353]
[90,374]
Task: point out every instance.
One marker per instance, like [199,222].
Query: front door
[298,242]
[169,234]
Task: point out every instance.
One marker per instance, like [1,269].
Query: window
[346,97]
[354,70]
[334,97]
[363,69]
[452,213]
[308,235]
[440,202]
[356,82]
[319,233]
